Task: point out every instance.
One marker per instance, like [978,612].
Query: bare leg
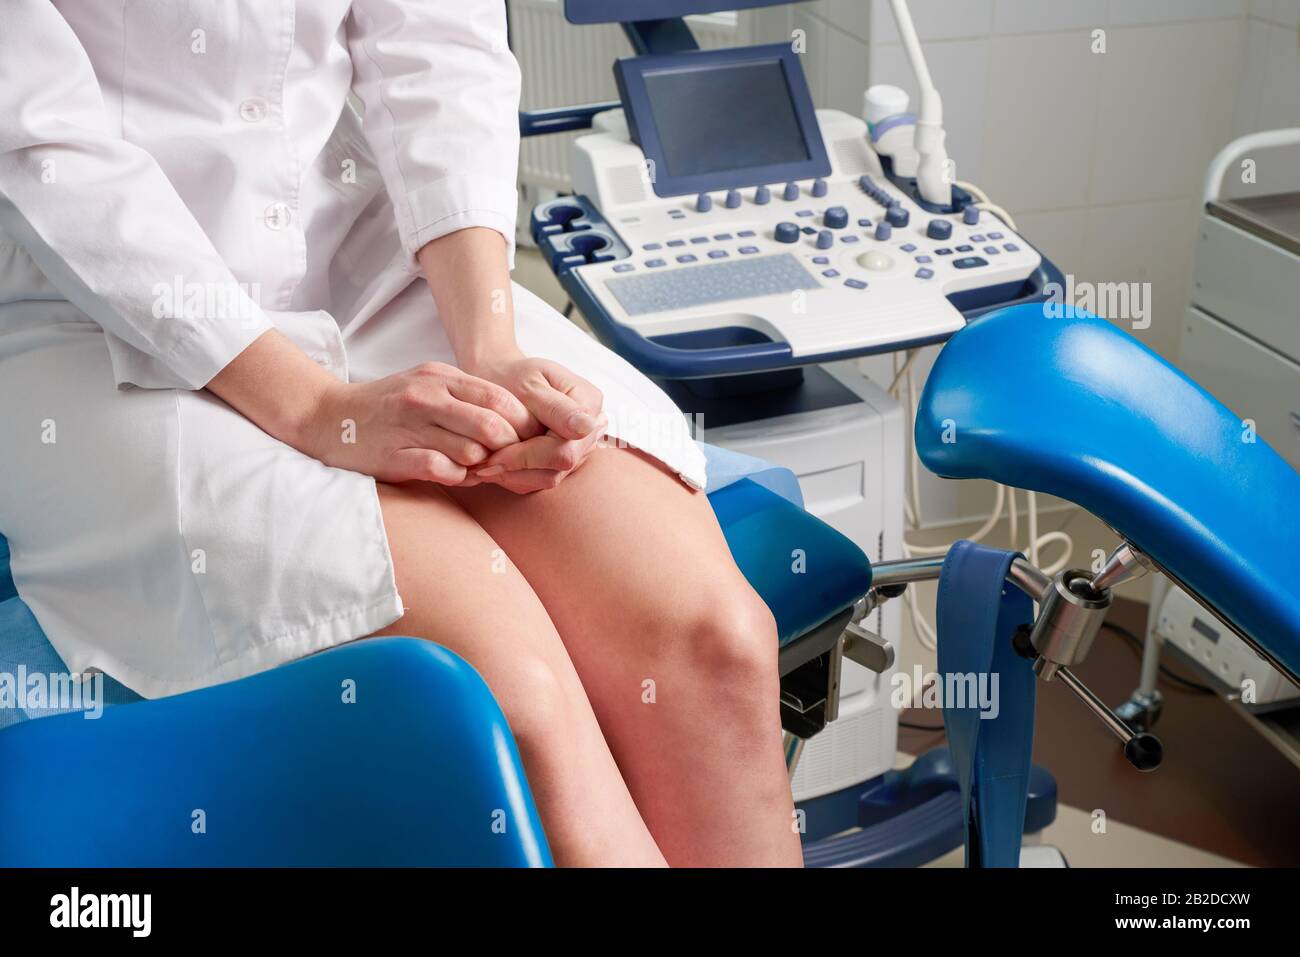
[460,591]
[677,652]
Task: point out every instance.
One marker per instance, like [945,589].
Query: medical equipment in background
[742,248]
[1241,341]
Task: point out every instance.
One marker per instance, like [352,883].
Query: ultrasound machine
[746,249]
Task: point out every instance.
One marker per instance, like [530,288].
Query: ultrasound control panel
[751,224]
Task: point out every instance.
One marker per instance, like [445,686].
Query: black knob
[1144,752]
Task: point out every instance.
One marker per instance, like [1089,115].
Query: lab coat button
[252,110]
[278,216]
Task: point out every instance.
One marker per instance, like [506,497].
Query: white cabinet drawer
[1253,381]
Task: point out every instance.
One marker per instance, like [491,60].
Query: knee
[534,700]
[732,643]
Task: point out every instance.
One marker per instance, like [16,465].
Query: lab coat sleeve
[440,89]
[101,220]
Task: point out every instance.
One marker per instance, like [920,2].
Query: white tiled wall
[1100,156]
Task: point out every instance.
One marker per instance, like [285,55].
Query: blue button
[687,258]
[821,260]
[722,237]
[924,259]
[787,233]
[655,263]
[976,238]
[939,229]
[819,187]
[697,240]
[791,192]
[991,250]
[897,216]
[908,248]
[970,215]
[805,213]
[623,267]
[825,239]
[703,203]
[924,273]
[855,284]
[717,254]
[864,223]
[676,242]
[945,251]
[836,217]
[651,247]
[995,235]
[969,262]
[748,250]
[745,233]
[884,231]
[676,214]
[865,181]
[850,238]
[807,230]
[1011,248]
[830,273]
[733,199]
[965,249]
[762,195]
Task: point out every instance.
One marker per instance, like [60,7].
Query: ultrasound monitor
[722,118]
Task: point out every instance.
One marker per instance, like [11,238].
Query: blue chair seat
[804,570]
[1080,409]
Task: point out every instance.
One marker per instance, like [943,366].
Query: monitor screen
[718,119]
[725,117]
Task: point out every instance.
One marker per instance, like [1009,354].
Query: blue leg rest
[278,769]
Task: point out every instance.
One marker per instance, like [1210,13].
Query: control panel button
[830,273]
[970,262]
[864,223]
[623,267]
[835,217]
[908,247]
[786,233]
[970,215]
[965,249]
[1011,248]
[791,192]
[703,203]
[995,235]
[939,229]
[655,263]
[699,240]
[733,199]
[855,284]
[924,273]
[819,188]
[676,242]
[748,250]
[884,231]
[650,247]
[821,261]
[945,251]
[717,254]
[745,233]
[762,195]
[688,258]
[825,239]
[897,216]
[876,261]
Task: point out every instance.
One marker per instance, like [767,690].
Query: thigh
[460,589]
[627,559]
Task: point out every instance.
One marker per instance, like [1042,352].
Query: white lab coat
[175,179]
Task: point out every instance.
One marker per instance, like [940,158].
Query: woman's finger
[495,398]
[555,408]
[484,426]
[423,465]
[460,449]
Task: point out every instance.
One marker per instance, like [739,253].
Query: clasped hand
[522,423]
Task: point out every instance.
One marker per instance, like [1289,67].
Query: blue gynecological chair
[393,751]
